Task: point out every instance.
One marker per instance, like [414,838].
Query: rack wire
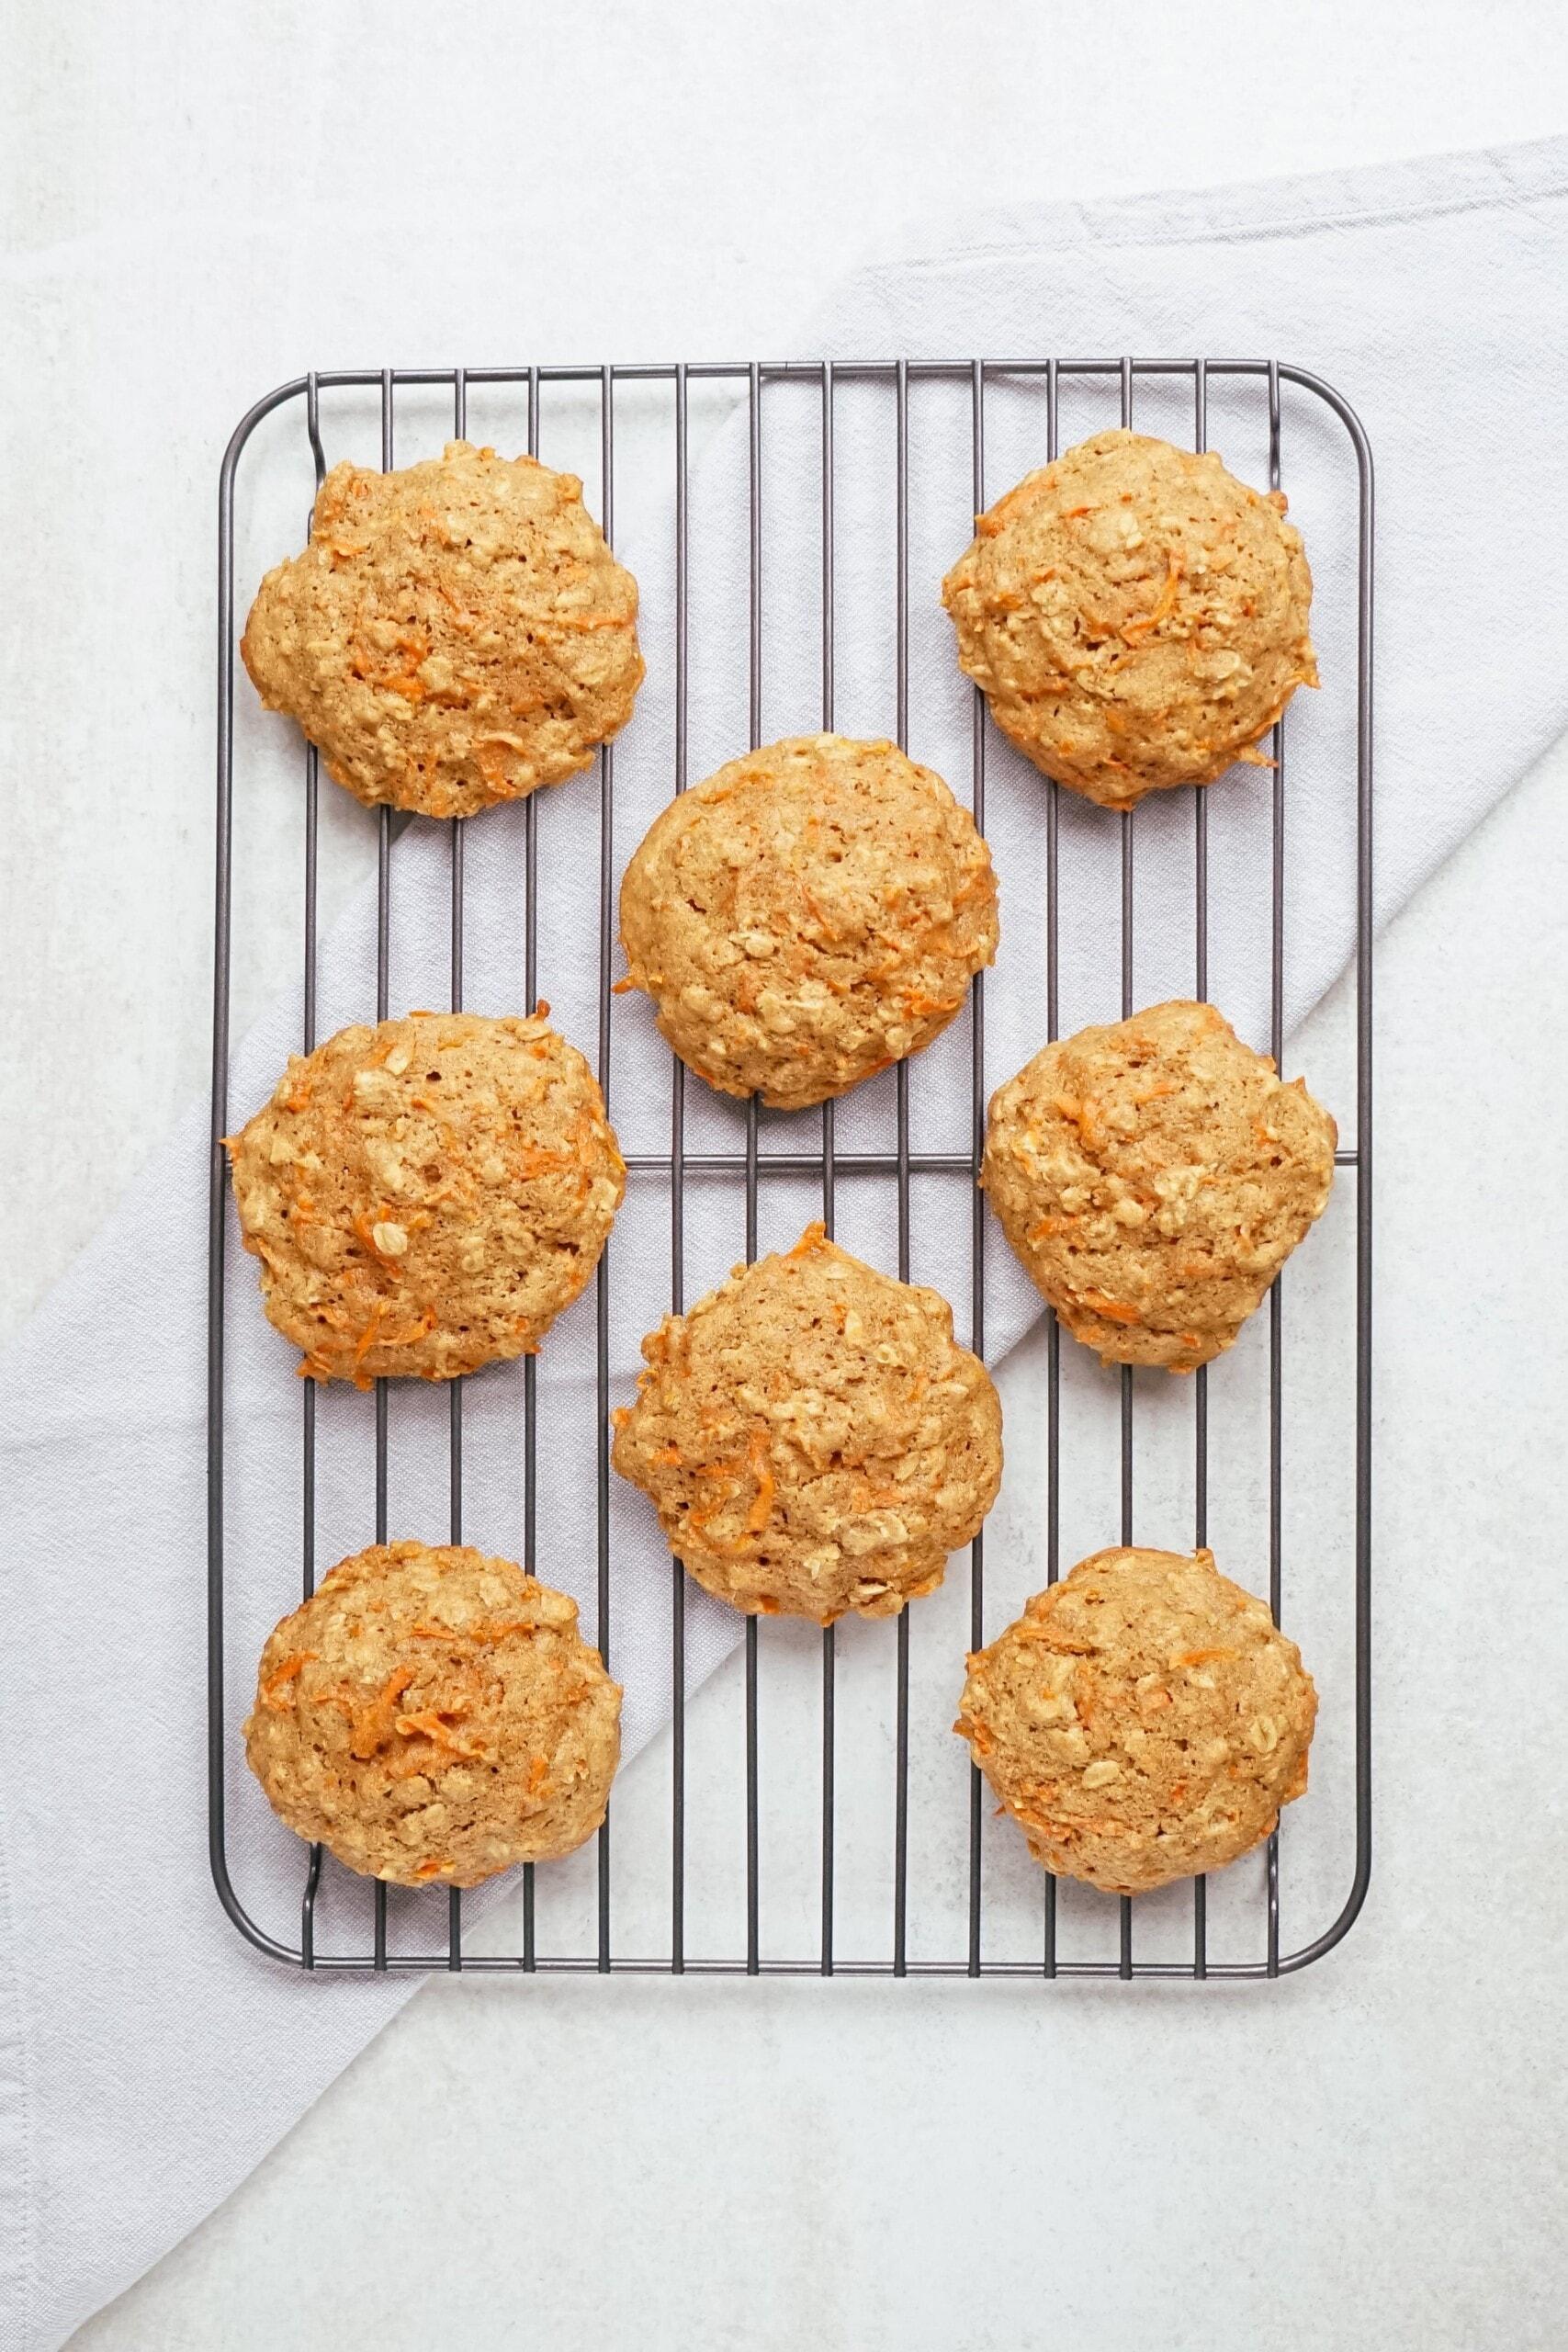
[829,1165]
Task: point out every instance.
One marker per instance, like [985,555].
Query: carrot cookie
[433,1717]
[1135,617]
[811,1437]
[1154,1176]
[1142,1720]
[457,633]
[427,1195]
[810,914]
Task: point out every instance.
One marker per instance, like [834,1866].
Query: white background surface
[203,203]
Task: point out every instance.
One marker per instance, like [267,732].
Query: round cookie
[812,1438]
[427,1195]
[457,632]
[433,1717]
[1153,1176]
[810,914]
[1135,617]
[1144,1719]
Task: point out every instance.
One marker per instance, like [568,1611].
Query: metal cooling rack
[745,1170]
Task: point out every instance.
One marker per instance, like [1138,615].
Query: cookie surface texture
[426,1197]
[1136,615]
[813,1440]
[457,633]
[1153,1175]
[434,1716]
[1142,1721]
[811,913]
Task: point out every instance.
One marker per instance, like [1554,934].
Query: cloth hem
[18,2275]
[1416,187]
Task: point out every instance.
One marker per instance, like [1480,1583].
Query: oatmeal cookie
[811,913]
[1144,1719]
[812,1438]
[1153,1176]
[427,1195]
[433,1717]
[1135,617]
[457,632]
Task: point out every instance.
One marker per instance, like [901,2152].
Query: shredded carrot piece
[1031,1630]
[368,1337]
[1048,1226]
[813,1236]
[671,1456]
[485,1630]
[620,986]
[372,1723]
[364,1222]
[1082,1115]
[762,1510]
[1136,630]
[428,1724]
[1201,1657]
[273,1686]
[1253,758]
[492,767]
[498,1629]
[1114,1311]
[620,1417]
[432,1867]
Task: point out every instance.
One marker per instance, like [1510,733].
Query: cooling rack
[965,1942]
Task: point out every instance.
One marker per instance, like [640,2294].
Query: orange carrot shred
[273,1686]
[762,1510]
[372,1723]
[1114,1311]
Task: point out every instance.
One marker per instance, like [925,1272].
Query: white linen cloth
[148,2058]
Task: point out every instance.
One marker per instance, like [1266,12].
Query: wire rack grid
[827,1166]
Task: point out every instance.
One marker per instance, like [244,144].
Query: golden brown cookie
[427,1195]
[1136,615]
[812,1438]
[810,914]
[457,633]
[1154,1176]
[1144,1719]
[433,1717]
